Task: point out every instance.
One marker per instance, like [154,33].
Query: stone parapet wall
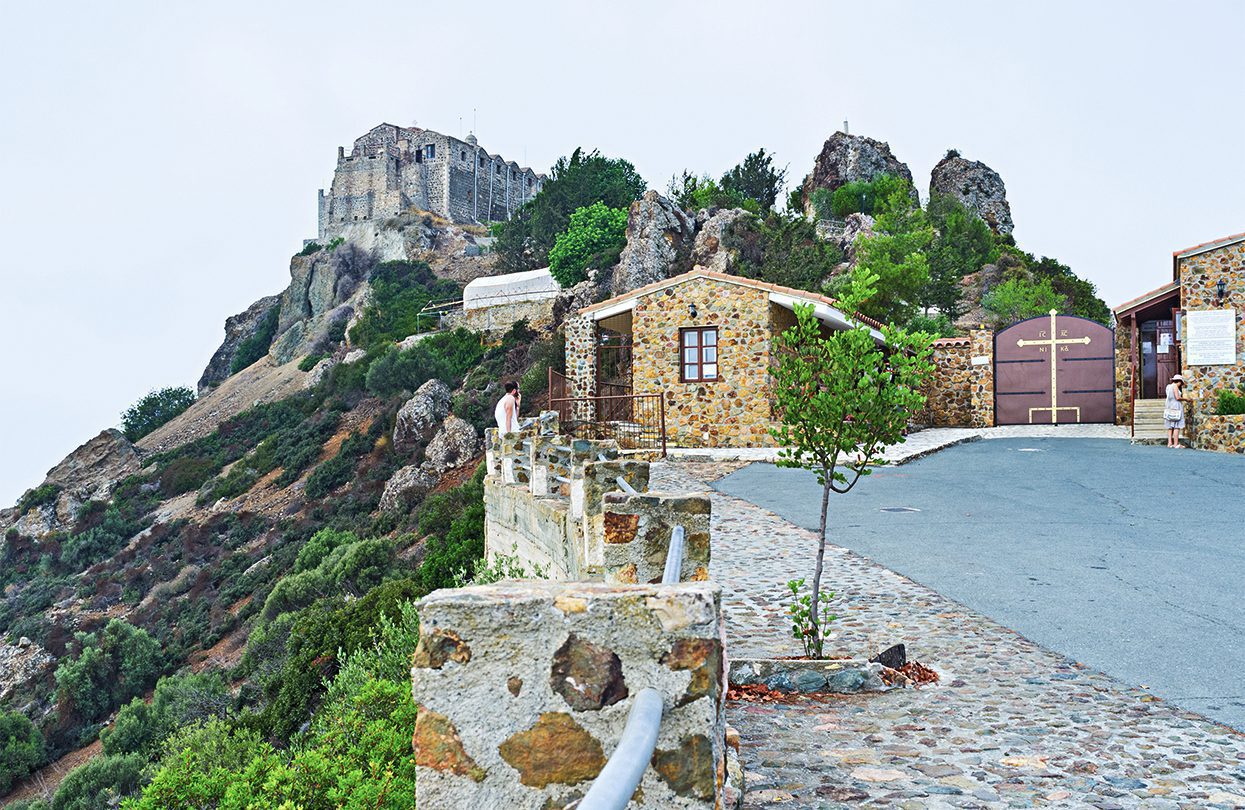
[524,689]
[638,530]
[539,531]
[982,378]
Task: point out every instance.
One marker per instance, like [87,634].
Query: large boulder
[454,444]
[89,473]
[405,488]
[849,158]
[978,187]
[659,237]
[238,328]
[719,239]
[419,416]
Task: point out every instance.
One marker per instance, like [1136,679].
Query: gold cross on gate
[1053,344]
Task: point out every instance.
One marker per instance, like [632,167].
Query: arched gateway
[1054,369]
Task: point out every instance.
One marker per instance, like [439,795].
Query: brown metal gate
[1054,369]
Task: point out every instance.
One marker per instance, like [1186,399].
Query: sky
[160,160]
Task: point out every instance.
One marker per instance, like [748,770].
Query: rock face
[659,235]
[88,473]
[237,329]
[977,186]
[717,241]
[21,663]
[320,284]
[848,158]
[455,443]
[419,417]
[405,488]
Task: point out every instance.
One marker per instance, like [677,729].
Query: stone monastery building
[391,169]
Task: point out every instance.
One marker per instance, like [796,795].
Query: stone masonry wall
[1199,276]
[1225,434]
[494,321]
[1123,375]
[524,689]
[949,394]
[581,361]
[735,410]
[982,378]
[638,530]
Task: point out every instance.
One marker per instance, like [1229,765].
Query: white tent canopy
[511,288]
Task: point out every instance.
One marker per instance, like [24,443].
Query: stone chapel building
[1191,326]
[702,341]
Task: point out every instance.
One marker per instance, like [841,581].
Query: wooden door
[1167,360]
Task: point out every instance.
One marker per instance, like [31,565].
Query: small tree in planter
[842,399]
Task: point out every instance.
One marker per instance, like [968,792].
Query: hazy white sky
[160,160]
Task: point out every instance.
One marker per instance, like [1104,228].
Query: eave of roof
[1147,298]
[639,292]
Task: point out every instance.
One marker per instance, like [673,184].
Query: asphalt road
[1128,559]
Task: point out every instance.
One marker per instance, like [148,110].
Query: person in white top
[1173,410]
[507,410]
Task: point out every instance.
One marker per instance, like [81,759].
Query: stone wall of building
[581,361]
[734,411]
[1123,376]
[391,169]
[948,396]
[982,345]
[1199,277]
[1211,431]
[524,689]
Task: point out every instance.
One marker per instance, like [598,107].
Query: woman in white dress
[1173,410]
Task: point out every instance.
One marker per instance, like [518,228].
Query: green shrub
[21,748]
[400,289]
[257,345]
[310,361]
[594,237]
[154,410]
[185,474]
[862,196]
[310,248]
[447,357]
[454,524]
[756,179]
[335,243]
[938,325]
[99,783]
[791,254]
[179,700]
[1230,403]
[42,495]
[108,668]
[337,471]
[693,192]
[1018,298]
[524,241]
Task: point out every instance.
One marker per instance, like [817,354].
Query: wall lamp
[691,310]
[1221,290]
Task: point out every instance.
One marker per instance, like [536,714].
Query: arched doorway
[1054,369]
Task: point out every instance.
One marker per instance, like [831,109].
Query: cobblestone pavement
[1009,725]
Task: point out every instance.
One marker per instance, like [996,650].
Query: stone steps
[1148,419]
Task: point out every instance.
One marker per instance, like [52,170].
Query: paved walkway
[1010,725]
[919,444]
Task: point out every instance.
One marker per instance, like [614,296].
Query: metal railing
[635,421]
[618,780]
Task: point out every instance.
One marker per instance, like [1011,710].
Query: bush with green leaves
[756,179]
[42,495]
[106,669]
[99,783]
[453,522]
[350,565]
[310,248]
[693,192]
[154,410]
[897,255]
[257,344]
[791,254]
[1019,298]
[1229,402]
[179,700]
[21,748]
[446,356]
[400,289]
[594,238]
[873,197]
[963,244]
[524,241]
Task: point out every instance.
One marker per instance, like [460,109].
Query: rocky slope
[978,187]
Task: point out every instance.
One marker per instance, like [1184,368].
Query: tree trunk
[821,556]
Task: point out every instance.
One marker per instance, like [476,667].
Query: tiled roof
[1166,289]
[1214,243]
[639,292]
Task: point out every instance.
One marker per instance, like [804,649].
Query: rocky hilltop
[978,187]
[848,158]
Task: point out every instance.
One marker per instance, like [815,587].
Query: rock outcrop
[848,158]
[322,289]
[718,239]
[21,663]
[659,237]
[238,328]
[978,187]
[89,473]
[405,488]
[419,416]
[454,444]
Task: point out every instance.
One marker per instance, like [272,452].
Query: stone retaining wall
[1211,431]
[524,689]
